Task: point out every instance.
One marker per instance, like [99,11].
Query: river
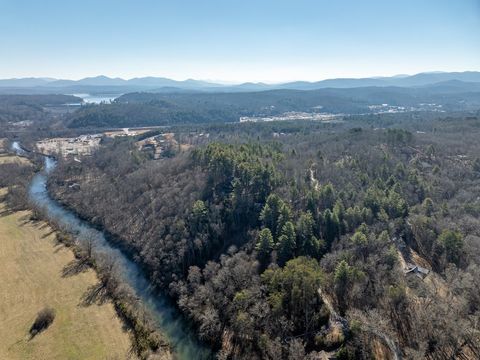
[168,319]
[18,149]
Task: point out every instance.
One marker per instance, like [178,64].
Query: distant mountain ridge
[104,84]
[103,81]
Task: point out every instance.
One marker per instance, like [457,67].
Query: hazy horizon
[255,41]
[224,82]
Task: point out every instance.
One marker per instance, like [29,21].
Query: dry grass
[380,351]
[11,159]
[31,266]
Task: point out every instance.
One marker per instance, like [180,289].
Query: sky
[237,40]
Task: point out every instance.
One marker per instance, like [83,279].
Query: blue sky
[236,41]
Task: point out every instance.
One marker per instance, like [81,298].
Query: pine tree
[339,212]
[308,243]
[264,245]
[327,196]
[284,216]
[274,214]
[344,277]
[452,242]
[428,206]
[286,243]
[331,227]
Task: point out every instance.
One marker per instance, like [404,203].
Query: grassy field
[7,159]
[31,266]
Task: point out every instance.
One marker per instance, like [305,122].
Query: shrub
[44,319]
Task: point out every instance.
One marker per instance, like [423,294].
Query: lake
[97,98]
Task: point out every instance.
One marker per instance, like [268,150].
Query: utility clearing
[32,277]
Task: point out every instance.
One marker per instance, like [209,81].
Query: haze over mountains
[455,81]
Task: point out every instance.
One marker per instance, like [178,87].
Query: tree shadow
[58,248]
[6,212]
[44,225]
[26,219]
[42,322]
[95,294]
[31,335]
[75,267]
[47,234]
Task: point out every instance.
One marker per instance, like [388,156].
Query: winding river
[168,319]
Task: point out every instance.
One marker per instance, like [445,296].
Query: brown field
[31,265]
[8,159]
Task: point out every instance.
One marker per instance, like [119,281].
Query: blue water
[166,316]
[17,148]
[97,99]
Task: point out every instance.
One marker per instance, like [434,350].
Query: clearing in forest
[11,159]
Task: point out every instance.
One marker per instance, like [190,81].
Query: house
[416,270]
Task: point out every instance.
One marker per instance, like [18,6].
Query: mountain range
[103,84]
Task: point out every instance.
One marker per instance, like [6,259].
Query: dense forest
[151,114]
[38,100]
[358,239]
[173,108]
[19,111]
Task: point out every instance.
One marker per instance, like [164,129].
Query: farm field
[10,159]
[31,266]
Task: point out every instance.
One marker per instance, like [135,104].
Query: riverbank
[107,288]
[164,316]
[177,330]
[33,275]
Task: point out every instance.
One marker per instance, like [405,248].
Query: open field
[8,159]
[31,266]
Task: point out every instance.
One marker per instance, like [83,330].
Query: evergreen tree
[428,206]
[331,227]
[275,214]
[284,217]
[293,291]
[308,243]
[327,196]
[452,242]
[264,245]
[339,212]
[286,243]
[344,277]
[199,216]
[271,210]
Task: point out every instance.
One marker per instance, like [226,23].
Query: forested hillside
[282,241]
[171,108]
[15,108]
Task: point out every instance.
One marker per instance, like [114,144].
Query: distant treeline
[39,100]
[146,109]
[14,108]
[161,113]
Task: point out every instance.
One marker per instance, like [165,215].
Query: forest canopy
[348,238]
